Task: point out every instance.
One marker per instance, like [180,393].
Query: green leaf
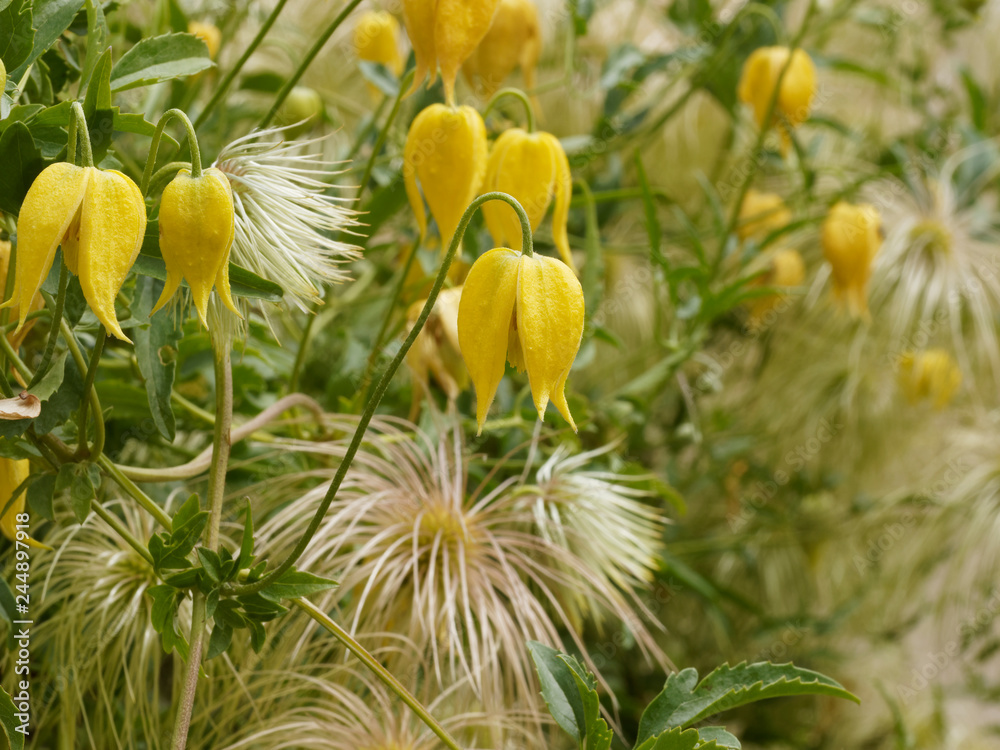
[97,36]
[129,122]
[187,512]
[682,702]
[164,617]
[52,379]
[295,583]
[582,11]
[246,546]
[597,735]
[559,689]
[675,739]
[720,737]
[98,88]
[10,721]
[691,14]
[160,58]
[22,161]
[156,352]
[222,636]
[211,563]
[16,34]
[51,19]
[57,409]
[40,494]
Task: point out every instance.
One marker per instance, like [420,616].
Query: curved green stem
[307,61]
[166,173]
[57,315]
[387,678]
[182,719]
[529,111]
[404,85]
[88,388]
[133,490]
[227,81]
[383,386]
[154,147]
[76,120]
[111,520]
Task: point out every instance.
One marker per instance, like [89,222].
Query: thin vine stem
[57,316]
[88,387]
[307,61]
[78,119]
[383,386]
[387,678]
[111,520]
[529,111]
[154,147]
[182,719]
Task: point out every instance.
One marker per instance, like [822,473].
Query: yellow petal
[459,26]
[522,165]
[12,473]
[513,39]
[376,39]
[112,226]
[418,15]
[446,152]
[550,327]
[47,213]
[851,239]
[484,320]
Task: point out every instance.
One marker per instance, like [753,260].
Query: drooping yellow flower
[209,34]
[98,216]
[446,153]
[761,214]
[513,40]
[443,34]
[786,269]
[3,76]
[16,338]
[527,310]
[798,87]
[12,473]
[852,236]
[376,39]
[436,352]
[533,168]
[196,235]
[931,374]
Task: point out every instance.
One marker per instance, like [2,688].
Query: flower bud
[446,153]
[533,168]
[444,33]
[302,109]
[527,310]
[196,234]
[760,75]
[514,39]
[931,374]
[98,216]
[376,39]
[436,350]
[852,236]
[209,34]
[761,214]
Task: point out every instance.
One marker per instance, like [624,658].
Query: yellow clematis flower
[525,309]
[196,234]
[436,352]
[786,269]
[798,87]
[852,236]
[98,216]
[3,76]
[37,303]
[209,34]
[533,168]
[12,473]
[931,374]
[761,214]
[446,152]
[376,39]
[444,33]
[513,40]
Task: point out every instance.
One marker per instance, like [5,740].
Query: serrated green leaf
[190,508]
[211,563]
[682,703]
[97,36]
[597,735]
[720,737]
[559,689]
[675,739]
[156,353]
[16,34]
[294,583]
[10,721]
[51,19]
[160,58]
[222,636]
[52,379]
[98,88]
[39,496]
[246,546]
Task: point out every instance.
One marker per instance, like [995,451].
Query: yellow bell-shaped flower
[444,33]
[798,87]
[786,269]
[852,236]
[513,40]
[12,473]
[16,338]
[98,216]
[533,168]
[376,39]
[527,310]
[761,214]
[209,34]
[931,374]
[435,351]
[446,153]
[197,226]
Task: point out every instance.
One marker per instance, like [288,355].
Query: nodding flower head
[514,40]
[929,375]
[376,39]
[852,236]
[798,87]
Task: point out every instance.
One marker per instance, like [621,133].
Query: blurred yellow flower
[798,87]
[446,153]
[376,39]
[786,269]
[98,216]
[196,234]
[444,33]
[436,351]
[852,236]
[209,34]
[533,168]
[12,473]
[761,214]
[513,40]
[525,309]
[931,374]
